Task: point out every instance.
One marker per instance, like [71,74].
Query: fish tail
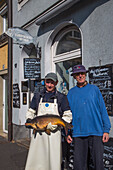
[67,126]
[66,130]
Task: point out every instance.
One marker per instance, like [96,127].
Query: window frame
[68,55]
[21,3]
[4,15]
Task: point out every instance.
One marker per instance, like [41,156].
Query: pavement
[13,154]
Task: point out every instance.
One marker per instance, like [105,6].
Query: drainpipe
[55,10]
[10,61]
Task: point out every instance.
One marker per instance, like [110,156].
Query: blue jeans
[88,153]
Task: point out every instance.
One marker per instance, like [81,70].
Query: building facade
[67,32]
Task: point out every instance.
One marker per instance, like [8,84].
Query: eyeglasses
[82,73]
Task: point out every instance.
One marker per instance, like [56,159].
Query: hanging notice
[103,78]
[32,68]
[16,96]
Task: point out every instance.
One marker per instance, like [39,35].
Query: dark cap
[51,76]
[78,69]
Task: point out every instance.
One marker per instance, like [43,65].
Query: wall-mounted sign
[32,68]
[24,86]
[21,36]
[24,98]
[16,96]
[103,78]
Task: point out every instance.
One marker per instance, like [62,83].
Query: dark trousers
[88,153]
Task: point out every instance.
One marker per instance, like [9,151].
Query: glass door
[63,70]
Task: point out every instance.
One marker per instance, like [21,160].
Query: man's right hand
[69,139]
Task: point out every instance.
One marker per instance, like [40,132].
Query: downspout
[10,61]
[55,10]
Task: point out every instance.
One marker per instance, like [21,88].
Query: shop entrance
[67,52]
[1,105]
[5,105]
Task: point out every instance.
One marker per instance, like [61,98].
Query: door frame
[4,104]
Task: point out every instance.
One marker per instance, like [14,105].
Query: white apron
[45,150]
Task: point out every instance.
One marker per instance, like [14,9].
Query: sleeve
[31,112]
[33,104]
[67,114]
[104,114]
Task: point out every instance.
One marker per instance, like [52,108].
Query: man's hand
[51,127]
[69,139]
[105,137]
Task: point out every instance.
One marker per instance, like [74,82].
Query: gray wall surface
[30,10]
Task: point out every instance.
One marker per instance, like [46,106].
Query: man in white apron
[45,150]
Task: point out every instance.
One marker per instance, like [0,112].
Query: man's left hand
[105,137]
[51,127]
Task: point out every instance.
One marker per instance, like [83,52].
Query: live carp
[40,123]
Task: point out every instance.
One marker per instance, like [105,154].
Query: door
[67,52]
[1,104]
[5,105]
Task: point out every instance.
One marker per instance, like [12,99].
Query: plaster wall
[30,10]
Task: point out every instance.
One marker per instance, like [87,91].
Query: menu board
[16,96]
[108,155]
[32,68]
[103,78]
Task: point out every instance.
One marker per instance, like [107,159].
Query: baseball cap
[78,69]
[51,76]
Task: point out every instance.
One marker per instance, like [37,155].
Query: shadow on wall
[78,13]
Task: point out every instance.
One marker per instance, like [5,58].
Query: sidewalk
[13,154]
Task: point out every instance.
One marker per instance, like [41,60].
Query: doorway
[5,105]
[67,52]
[1,105]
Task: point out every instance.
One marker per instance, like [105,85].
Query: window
[3,19]
[66,50]
[21,3]
[69,42]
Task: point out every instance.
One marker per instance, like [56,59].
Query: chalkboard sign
[103,78]
[32,68]
[108,155]
[16,96]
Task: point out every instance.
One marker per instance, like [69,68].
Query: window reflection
[69,42]
[63,70]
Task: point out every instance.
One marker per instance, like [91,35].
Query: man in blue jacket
[90,120]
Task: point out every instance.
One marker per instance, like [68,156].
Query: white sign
[21,36]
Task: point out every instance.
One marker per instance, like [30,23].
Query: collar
[42,93]
[85,83]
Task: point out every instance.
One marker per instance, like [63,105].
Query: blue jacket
[88,111]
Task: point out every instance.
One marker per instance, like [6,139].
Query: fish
[40,123]
[21,36]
